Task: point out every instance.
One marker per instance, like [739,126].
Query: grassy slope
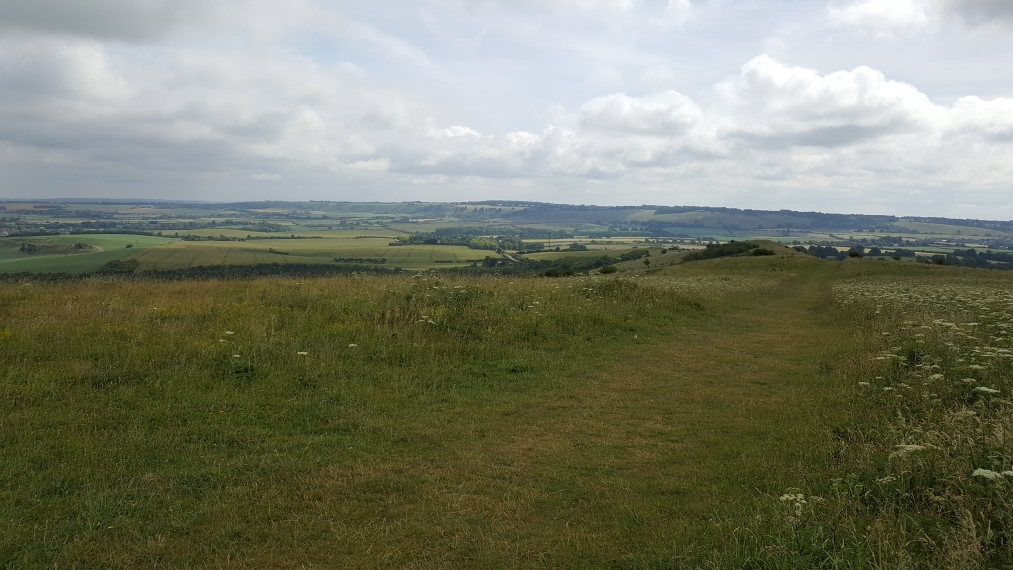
[948,230]
[585,423]
[512,453]
[109,247]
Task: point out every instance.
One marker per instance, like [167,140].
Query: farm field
[718,414]
[256,228]
[206,253]
[105,248]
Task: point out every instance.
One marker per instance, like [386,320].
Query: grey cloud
[980,11]
[129,20]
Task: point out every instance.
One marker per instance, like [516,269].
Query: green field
[753,412]
[947,230]
[206,253]
[108,247]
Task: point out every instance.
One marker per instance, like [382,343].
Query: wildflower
[986,390]
[886,480]
[987,474]
[353,345]
[302,353]
[936,377]
[229,332]
[904,450]
[863,383]
[235,356]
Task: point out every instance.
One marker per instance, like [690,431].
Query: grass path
[623,469]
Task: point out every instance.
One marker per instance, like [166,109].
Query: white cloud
[217,111]
[670,113]
[795,105]
[456,132]
[886,17]
[898,18]
[616,100]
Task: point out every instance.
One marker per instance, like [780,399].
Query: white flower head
[904,450]
[987,474]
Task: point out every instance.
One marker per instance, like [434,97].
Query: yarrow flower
[986,390]
[302,353]
[904,450]
[987,474]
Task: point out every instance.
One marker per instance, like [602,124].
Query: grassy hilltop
[772,411]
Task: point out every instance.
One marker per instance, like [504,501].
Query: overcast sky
[864,106]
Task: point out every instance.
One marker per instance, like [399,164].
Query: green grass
[646,421]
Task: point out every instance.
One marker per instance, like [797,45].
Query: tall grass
[172,424]
[921,475]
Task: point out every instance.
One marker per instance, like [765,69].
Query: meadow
[747,412]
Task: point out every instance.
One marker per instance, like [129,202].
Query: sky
[900,107]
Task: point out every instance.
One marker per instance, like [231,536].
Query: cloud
[609,100]
[885,17]
[110,19]
[892,19]
[669,113]
[206,111]
[794,105]
[984,119]
[143,21]
[771,124]
[979,11]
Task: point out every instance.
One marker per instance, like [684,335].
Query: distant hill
[652,219]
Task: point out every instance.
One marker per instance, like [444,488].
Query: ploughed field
[774,412]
